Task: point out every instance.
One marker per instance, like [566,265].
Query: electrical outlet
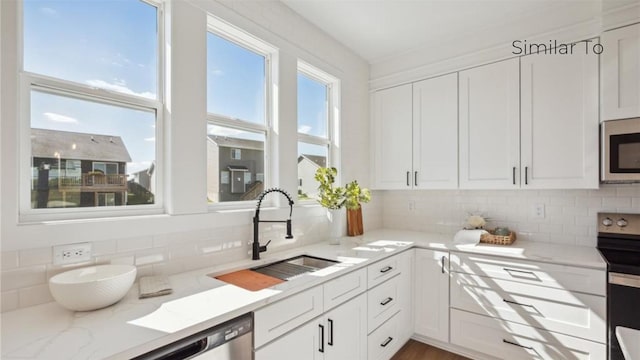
[71,253]
[538,211]
[412,205]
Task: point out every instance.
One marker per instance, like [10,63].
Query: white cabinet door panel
[435,133]
[559,119]
[620,67]
[489,115]
[302,343]
[391,143]
[431,306]
[346,331]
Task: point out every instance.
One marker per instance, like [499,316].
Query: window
[238,76]
[317,104]
[90,85]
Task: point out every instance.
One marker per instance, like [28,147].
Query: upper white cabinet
[490,126]
[416,135]
[620,69]
[392,132]
[559,121]
[435,133]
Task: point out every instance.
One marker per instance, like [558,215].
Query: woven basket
[490,238]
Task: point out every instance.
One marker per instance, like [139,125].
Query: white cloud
[134,167]
[222,131]
[305,129]
[150,139]
[216,72]
[60,118]
[48,11]
[119,86]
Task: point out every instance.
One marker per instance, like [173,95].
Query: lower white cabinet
[339,334]
[431,306]
[511,341]
[384,341]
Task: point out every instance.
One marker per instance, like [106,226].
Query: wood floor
[414,350]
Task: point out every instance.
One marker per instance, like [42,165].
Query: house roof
[231,142]
[78,146]
[320,161]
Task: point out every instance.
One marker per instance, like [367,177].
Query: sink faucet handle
[263,248]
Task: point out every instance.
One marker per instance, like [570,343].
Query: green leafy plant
[354,195]
[329,196]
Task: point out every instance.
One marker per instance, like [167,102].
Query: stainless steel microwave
[620,151]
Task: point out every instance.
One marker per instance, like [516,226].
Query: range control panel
[616,223]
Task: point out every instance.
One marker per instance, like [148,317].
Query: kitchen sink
[291,268]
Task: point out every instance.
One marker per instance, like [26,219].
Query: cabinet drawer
[382,270]
[591,281]
[575,314]
[344,288]
[276,319]
[507,340]
[383,343]
[382,302]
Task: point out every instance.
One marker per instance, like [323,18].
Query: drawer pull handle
[519,271]
[516,344]
[385,269]
[330,341]
[442,262]
[517,303]
[386,301]
[386,342]
[321,338]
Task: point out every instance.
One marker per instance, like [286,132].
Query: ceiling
[378,30]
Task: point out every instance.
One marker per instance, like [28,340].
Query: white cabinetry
[431,306]
[514,309]
[435,133]
[620,69]
[559,121]
[490,126]
[392,132]
[302,343]
[415,129]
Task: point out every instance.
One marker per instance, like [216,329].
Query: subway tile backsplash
[570,215]
[25,273]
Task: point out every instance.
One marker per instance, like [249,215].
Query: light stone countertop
[133,326]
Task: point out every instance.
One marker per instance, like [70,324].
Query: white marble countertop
[133,326]
[629,340]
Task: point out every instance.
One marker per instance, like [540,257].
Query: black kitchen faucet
[257,248]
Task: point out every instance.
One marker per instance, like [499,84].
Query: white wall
[189,236]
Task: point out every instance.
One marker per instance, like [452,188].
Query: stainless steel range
[619,244]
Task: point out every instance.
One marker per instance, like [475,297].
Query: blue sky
[113,45]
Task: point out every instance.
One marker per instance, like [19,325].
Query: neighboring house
[235,170]
[307,167]
[77,169]
[145,178]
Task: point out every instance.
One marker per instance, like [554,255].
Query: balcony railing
[94,182]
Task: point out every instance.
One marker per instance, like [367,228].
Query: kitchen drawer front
[575,314]
[382,302]
[511,341]
[384,342]
[590,281]
[382,270]
[344,288]
[276,319]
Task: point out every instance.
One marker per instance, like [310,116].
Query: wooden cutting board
[250,280]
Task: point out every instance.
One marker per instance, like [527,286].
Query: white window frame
[36,82]
[332,141]
[241,38]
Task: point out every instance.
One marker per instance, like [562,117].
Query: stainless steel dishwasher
[232,340]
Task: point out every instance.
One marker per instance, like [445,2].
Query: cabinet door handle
[516,344]
[408,174]
[526,175]
[321,338]
[386,301]
[415,178]
[330,342]
[442,263]
[517,303]
[386,342]
[513,175]
[385,269]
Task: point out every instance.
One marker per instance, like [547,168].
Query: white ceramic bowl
[93,287]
